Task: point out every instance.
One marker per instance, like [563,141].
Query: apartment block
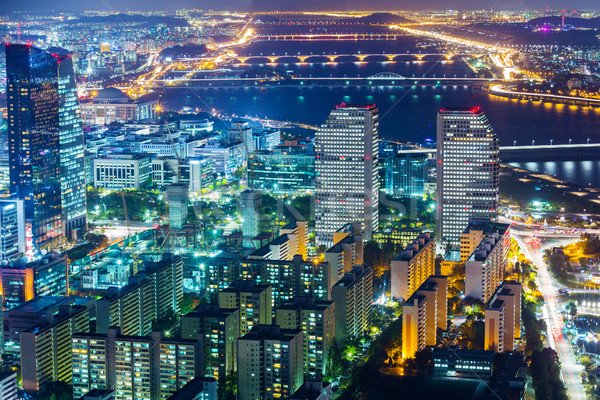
[353,298]
[46,347]
[316,319]
[503,318]
[136,367]
[254,302]
[151,294]
[485,266]
[413,266]
[270,363]
[218,330]
[423,313]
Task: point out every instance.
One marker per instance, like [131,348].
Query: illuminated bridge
[537,152]
[296,58]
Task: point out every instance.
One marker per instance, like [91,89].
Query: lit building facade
[405,175]
[112,105]
[122,171]
[218,330]
[46,155]
[282,171]
[254,302]
[45,348]
[46,276]
[503,318]
[413,266]
[316,319]
[269,363]
[485,266]
[467,173]
[136,367]
[353,298]
[423,313]
[12,230]
[347,171]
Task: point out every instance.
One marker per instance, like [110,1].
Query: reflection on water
[407,113]
[585,173]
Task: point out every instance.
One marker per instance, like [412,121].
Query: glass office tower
[45,141]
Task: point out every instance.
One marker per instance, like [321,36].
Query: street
[570,370]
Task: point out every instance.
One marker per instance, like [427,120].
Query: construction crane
[176,151]
[245,142]
[126,213]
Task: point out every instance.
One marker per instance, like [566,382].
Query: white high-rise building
[467,172]
[347,171]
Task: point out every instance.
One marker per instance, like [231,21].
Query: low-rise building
[463,363]
[122,171]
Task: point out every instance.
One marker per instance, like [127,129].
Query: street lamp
[533,142]
[551,140]
[514,143]
[588,141]
[569,141]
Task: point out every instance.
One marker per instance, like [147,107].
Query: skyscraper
[347,171]
[467,172]
[46,155]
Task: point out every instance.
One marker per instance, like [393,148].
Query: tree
[572,308]
[228,391]
[55,391]
[97,241]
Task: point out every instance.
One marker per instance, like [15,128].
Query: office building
[503,318]
[285,170]
[266,138]
[250,203]
[8,386]
[46,276]
[12,230]
[353,298]
[241,131]
[485,266]
[149,367]
[46,155]
[199,388]
[201,174]
[413,266]
[254,302]
[405,175]
[467,173]
[177,200]
[46,347]
[423,314]
[316,319]
[152,294]
[196,126]
[462,363]
[226,157]
[122,171]
[218,330]
[289,279]
[269,363]
[347,171]
[400,237]
[112,105]
[166,171]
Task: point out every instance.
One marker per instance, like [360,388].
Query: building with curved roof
[113,105]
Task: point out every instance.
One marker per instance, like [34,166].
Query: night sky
[265,5]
